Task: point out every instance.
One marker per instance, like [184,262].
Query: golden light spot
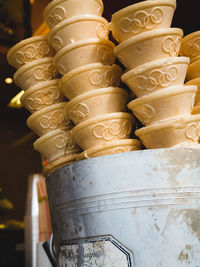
[8,80]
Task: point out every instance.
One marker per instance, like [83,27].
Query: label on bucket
[95,252]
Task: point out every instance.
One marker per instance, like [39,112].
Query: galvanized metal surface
[148,200]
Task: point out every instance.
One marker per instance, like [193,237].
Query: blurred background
[19,19]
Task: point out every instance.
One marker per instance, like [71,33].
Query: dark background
[17,157]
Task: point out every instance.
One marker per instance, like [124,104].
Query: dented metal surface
[149,201]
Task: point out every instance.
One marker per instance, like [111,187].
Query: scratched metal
[147,200]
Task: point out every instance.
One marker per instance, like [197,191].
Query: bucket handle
[48,246]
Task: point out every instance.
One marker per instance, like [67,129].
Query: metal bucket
[139,208]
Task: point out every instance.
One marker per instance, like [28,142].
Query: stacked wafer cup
[36,75]
[149,50]
[90,79]
[190,47]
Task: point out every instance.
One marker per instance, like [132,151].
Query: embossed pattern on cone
[113,147]
[58,10]
[103,128]
[156,75]
[164,104]
[141,49]
[74,29]
[29,50]
[56,144]
[35,72]
[184,131]
[42,95]
[48,119]
[142,17]
[86,106]
[84,52]
[89,77]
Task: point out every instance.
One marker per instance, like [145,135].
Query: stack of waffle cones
[90,79]
[190,47]
[149,50]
